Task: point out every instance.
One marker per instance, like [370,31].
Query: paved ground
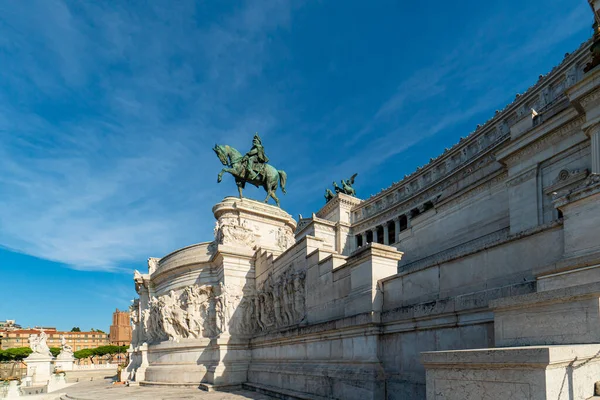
[105,390]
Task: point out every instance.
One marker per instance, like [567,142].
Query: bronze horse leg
[220,177]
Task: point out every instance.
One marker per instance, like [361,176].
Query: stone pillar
[39,367]
[375,238]
[386,234]
[594,134]
[364,238]
[408,220]
[397,230]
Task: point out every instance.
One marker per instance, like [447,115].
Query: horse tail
[282,179]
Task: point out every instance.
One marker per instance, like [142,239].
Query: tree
[97,330]
[85,353]
[75,329]
[15,354]
[55,351]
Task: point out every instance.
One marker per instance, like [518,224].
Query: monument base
[39,368]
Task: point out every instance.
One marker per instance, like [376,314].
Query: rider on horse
[255,155]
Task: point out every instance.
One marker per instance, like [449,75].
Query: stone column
[364,238]
[594,134]
[374,230]
[408,220]
[386,234]
[397,230]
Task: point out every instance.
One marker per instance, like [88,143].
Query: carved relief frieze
[235,232]
[284,237]
[180,315]
[279,302]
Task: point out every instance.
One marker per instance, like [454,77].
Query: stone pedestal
[139,372]
[208,291]
[39,367]
[64,361]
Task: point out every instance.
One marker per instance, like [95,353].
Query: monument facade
[477,275]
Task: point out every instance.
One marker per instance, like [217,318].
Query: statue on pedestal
[65,349]
[38,345]
[251,168]
[346,188]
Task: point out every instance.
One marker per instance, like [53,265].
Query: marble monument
[476,276]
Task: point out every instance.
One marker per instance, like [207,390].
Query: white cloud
[123,178]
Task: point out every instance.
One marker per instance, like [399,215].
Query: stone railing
[88,367]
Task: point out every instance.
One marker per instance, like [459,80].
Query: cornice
[567,120]
[341,200]
[536,144]
[566,74]
[429,193]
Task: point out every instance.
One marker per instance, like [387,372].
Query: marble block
[559,316]
[513,373]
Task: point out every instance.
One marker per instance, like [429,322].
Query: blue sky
[109,111]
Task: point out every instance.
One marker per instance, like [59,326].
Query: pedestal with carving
[198,305]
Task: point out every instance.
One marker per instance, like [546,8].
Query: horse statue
[328,195]
[269,178]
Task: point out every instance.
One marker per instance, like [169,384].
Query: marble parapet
[513,373]
[559,316]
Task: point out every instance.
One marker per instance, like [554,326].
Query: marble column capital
[591,127]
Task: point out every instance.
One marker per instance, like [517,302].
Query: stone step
[171,384]
[278,393]
[209,387]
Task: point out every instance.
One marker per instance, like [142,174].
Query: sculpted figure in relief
[152,264]
[134,316]
[287,310]
[198,310]
[230,231]
[299,301]
[280,303]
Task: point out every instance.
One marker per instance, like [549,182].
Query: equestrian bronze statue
[251,168]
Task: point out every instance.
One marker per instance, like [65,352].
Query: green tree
[75,329]
[15,354]
[55,351]
[85,353]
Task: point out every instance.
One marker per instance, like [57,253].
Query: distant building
[9,324]
[78,340]
[120,330]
